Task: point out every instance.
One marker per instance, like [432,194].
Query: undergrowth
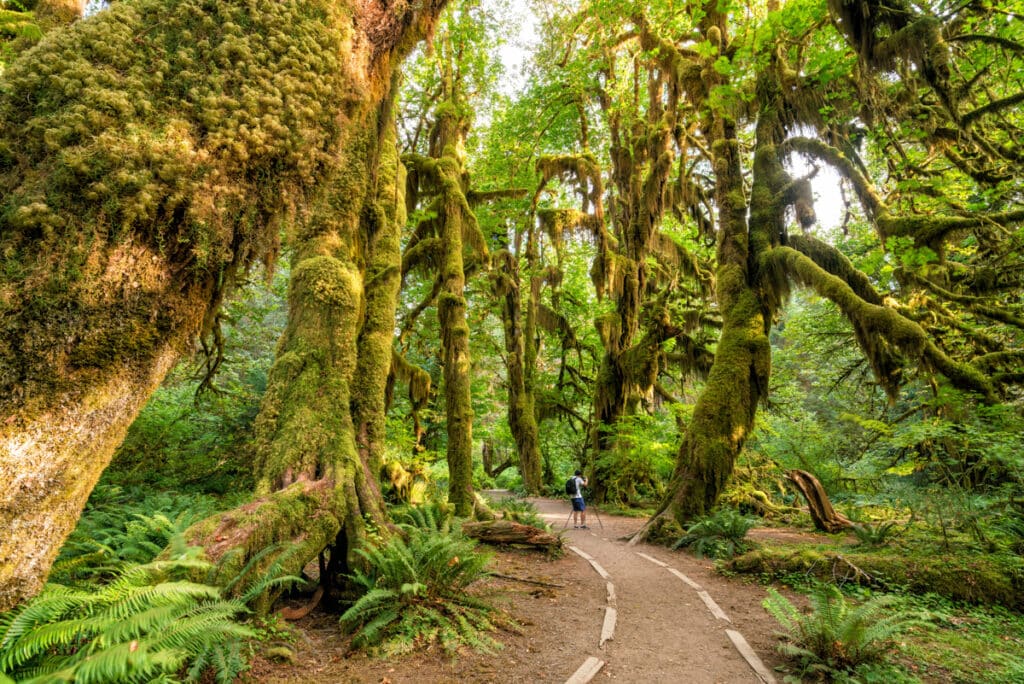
[150,622]
[719,535]
[415,592]
[837,638]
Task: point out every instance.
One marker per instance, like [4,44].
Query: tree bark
[825,517]
[451,311]
[121,236]
[522,417]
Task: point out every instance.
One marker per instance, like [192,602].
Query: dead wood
[509,532]
[825,517]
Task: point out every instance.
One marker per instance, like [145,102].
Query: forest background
[615,265]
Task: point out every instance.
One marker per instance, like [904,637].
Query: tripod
[596,515]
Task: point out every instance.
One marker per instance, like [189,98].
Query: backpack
[570,486]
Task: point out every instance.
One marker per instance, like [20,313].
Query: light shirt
[579,481]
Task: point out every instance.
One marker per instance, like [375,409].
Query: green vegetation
[837,638]
[626,243]
[415,593]
[718,535]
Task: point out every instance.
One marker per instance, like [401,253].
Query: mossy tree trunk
[314,485]
[451,307]
[449,244]
[380,232]
[124,228]
[520,361]
[640,269]
[724,414]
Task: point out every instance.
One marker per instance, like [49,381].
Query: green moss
[150,153]
[962,576]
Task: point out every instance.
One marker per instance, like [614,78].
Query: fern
[141,626]
[434,517]
[875,535]
[719,535]
[835,636]
[521,511]
[415,593]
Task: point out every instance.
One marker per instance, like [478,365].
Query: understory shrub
[415,595]
[719,535]
[124,527]
[838,637]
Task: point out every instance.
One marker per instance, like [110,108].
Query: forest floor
[664,630]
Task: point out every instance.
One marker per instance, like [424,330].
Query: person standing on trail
[579,508]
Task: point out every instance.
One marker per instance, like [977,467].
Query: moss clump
[961,576]
[148,154]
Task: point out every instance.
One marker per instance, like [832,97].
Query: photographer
[579,508]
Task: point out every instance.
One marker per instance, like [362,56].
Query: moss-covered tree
[150,154]
[900,60]
[439,240]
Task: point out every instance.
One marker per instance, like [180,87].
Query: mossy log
[965,576]
[825,517]
[509,532]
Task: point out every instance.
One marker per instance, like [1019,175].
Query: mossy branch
[977,305]
[992,108]
[847,168]
[425,253]
[1005,43]
[835,262]
[930,229]
[874,322]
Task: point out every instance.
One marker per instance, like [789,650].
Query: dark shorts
[578,505]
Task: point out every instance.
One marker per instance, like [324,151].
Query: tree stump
[509,532]
[823,514]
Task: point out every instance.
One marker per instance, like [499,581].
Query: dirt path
[663,630]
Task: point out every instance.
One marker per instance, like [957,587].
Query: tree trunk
[522,417]
[119,240]
[724,415]
[49,465]
[381,231]
[451,315]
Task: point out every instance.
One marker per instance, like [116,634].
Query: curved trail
[661,620]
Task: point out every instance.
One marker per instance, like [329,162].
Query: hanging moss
[878,326]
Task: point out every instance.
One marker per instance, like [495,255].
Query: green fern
[875,535]
[521,511]
[836,636]
[434,517]
[415,594]
[719,535]
[118,529]
[141,626]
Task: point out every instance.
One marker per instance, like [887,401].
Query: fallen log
[509,532]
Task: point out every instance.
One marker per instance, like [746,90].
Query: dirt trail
[664,631]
